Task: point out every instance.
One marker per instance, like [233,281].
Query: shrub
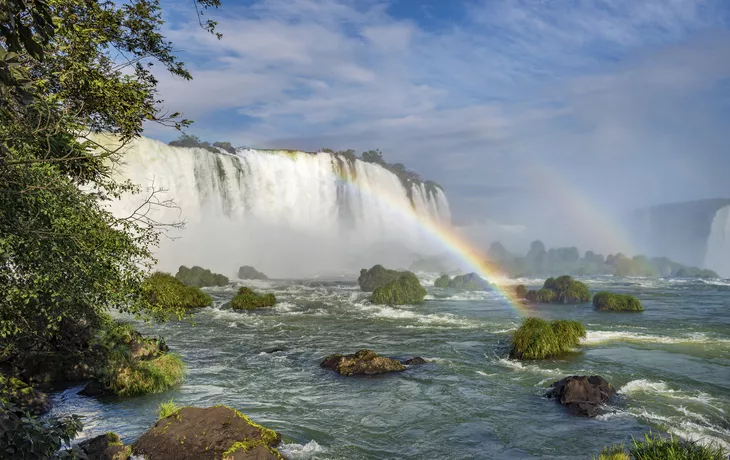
[127,377]
[521,291]
[568,290]
[169,292]
[247,299]
[539,339]
[167,408]
[469,282]
[26,437]
[608,301]
[442,282]
[654,447]
[247,272]
[378,276]
[200,277]
[406,289]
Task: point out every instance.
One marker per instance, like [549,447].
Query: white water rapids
[287,213]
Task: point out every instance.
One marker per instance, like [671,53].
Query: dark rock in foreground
[582,395]
[216,432]
[105,447]
[414,361]
[363,362]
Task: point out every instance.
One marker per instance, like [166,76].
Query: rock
[247,299]
[582,395]
[22,395]
[247,272]
[105,447]
[414,361]
[363,362]
[215,432]
[93,388]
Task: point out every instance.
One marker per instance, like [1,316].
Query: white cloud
[597,88]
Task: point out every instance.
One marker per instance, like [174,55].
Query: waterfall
[288,213]
[718,244]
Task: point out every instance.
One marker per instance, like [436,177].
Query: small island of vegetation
[539,339]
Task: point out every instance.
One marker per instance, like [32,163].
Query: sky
[520,109]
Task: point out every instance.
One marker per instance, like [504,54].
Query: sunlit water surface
[670,363]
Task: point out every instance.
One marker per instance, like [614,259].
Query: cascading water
[718,244]
[287,213]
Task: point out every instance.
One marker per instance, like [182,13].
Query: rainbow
[453,242]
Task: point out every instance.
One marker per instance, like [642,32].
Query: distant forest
[542,262]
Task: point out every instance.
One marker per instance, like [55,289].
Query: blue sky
[627,102]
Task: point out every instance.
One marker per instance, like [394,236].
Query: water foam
[594,337]
[301,451]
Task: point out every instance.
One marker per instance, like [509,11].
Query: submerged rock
[582,395]
[416,360]
[105,447]
[363,362]
[215,432]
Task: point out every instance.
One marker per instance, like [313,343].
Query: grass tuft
[608,301]
[655,447]
[539,339]
[132,377]
[167,408]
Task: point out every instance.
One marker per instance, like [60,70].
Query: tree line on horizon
[540,261]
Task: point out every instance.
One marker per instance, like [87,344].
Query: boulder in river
[416,360]
[247,272]
[363,362]
[105,447]
[215,432]
[582,395]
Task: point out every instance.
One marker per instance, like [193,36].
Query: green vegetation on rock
[521,291]
[174,295]
[468,282]
[377,276]
[539,339]
[247,299]
[442,282]
[191,141]
[139,377]
[248,272]
[404,290]
[200,277]
[608,301]
[655,447]
[563,289]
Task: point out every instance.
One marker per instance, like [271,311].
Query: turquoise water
[670,363]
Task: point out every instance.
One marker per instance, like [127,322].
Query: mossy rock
[608,301]
[563,289]
[655,447]
[378,276]
[247,299]
[469,282]
[365,362]
[17,393]
[539,339]
[404,290]
[106,446]
[135,377]
[169,293]
[442,282]
[247,272]
[200,277]
[216,433]
[521,291]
